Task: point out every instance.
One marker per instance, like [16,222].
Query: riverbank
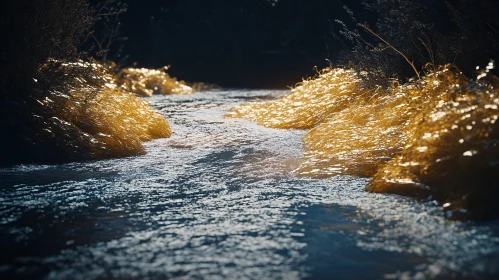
[79,110]
[436,136]
[218,199]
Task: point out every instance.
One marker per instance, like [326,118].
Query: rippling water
[219,200]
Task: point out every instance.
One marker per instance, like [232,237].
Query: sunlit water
[219,200]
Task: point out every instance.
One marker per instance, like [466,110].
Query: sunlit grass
[308,104]
[372,129]
[452,147]
[146,82]
[432,136]
[90,117]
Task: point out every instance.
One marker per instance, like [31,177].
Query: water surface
[219,200]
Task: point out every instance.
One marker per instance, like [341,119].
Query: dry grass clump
[434,136]
[89,116]
[452,150]
[372,130]
[311,102]
[146,82]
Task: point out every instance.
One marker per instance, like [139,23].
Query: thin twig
[96,40]
[429,50]
[393,48]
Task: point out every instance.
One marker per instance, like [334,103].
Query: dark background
[243,43]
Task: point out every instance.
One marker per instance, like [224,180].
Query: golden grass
[146,82]
[308,104]
[373,128]
[123,121]
[90,117]
[433,136]
[452,144]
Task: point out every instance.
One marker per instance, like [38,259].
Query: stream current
[217,200]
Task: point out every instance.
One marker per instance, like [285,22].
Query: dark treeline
[258,43]
[35,30]
[235,43]
[275,43]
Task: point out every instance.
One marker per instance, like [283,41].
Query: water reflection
[227,206]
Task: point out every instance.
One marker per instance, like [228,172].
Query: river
[219,200]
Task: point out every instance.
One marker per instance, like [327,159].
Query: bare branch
[393,48]
[428,49]
[96,40]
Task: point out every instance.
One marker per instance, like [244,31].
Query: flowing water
[219,200]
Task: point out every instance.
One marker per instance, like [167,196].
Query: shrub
[37,30]
[85,116]
[462,32]
[54,107]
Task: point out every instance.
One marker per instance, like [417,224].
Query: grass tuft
[436,136]
[146,82]
[78,112]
